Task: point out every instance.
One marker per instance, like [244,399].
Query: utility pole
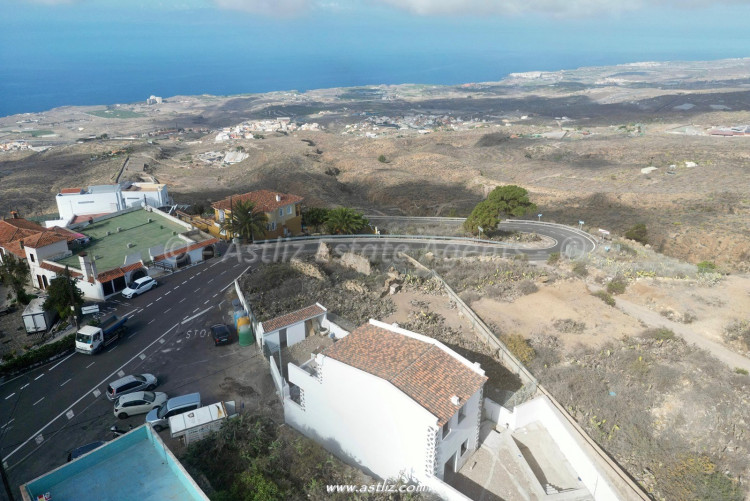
[6,483]
[72,297]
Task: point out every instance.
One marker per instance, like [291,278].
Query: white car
[139,402]
[139,286]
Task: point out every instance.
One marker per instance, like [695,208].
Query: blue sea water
[80,54]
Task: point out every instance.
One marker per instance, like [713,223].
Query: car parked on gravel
[139,402]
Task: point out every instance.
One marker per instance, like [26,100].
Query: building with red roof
[283,212]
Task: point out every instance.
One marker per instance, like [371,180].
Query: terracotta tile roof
[57,268]
[192,247]
[108,275]
[15,249]
[86,217]
[265,200]
[11,233]
[42,239]
[66,191]
[66,233]
[293,318]
[19,222]
[425,372]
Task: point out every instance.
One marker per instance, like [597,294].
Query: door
[282,338]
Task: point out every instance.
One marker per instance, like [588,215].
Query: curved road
[41,408]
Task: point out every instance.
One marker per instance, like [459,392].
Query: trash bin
[246,334]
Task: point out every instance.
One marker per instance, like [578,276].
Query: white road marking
[142,356]
[70,414]
[196,316]
[89,365]
[162,341]
[149,304]
[121,373]
[61,361]
[215,295]
[158,298]
[167,310]
[167,293]
[196,309]
[63,384]
[39,376]
[130,313]
[113,348]
[6,424]
[24,386]
[38,401]
[181,300]
[96,393]
[206,301]
[196,290]
[151,321]
[183,283]
[210,281]
[197,273]
[6,398]
[223,272]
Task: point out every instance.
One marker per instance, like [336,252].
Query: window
[290,209]
[464,447]
[281,212]
[446,429]
[32,258]
[273,226]
[221,215]
[461,413]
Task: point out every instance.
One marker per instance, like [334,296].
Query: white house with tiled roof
[292,328]
[391,401]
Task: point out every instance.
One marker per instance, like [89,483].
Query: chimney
[278,197]
[88,268]
[455,400]
[14,213]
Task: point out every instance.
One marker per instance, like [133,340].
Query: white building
[78,204]
[391,401]
[292,328]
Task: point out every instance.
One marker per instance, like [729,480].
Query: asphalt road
[47,412]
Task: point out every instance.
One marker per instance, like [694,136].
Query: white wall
[362,419]
[467,429]
[541,410]
[334,328]
[294,334]
[94,203]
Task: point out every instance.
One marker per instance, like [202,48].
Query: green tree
[245,221]
[503,201]
[315,217]
[345,221]
[638,232]
[15,274]
[382,159]
[63,293]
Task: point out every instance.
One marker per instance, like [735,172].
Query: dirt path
[653,319]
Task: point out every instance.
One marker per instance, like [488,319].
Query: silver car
[129,384]
[139,402]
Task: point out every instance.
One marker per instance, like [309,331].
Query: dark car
[76,453]
[220,333]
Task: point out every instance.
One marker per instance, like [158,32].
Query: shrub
[606,297]
[579,268]
[38,355]
[518,345]
[553,258]
[617,285]
[739,330]
[569,326]
[661,334]
[706,266]
[527,287]
[382,159]
[740,370]
[639,233]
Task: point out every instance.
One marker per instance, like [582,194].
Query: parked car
[159,418]
[220,333]
[80,451]
[129,384]
[138,402]
[139,286]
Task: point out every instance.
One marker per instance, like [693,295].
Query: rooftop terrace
[110,250]
[134,466]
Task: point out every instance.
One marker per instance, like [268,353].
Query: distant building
[283,210]
[75,205]
[154,100]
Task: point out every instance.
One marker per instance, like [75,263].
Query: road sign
[90,309]
[580,222]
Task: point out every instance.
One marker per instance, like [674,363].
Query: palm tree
[245,221]
[343,220]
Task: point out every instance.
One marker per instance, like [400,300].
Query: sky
[55,52]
